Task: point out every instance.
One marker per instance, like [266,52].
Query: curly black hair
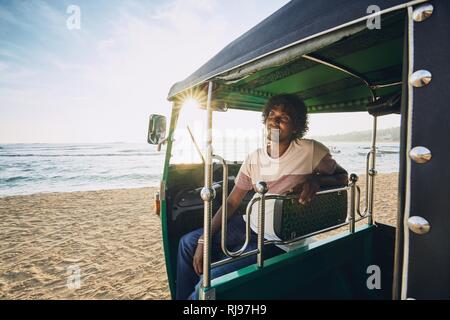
[296,109]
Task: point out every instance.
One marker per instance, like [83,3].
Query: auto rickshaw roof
[270,58]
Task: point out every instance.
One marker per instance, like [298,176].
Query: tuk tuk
[337,56]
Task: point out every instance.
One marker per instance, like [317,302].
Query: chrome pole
[224,204]
[261,188]
[358,200]
[353,179]
[224,235]
[233,259]
[208,195]
[372,172]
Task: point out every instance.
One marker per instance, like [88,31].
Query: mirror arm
[196,145]
[164,141]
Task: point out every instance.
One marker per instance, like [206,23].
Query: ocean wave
[77,179]
[76,148]
[130,150]
[82,155]
[16,179]
[109,177]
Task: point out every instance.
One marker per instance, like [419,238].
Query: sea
[40,167]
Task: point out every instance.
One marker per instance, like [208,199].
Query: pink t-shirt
[302,158]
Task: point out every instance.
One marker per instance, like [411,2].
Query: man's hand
[234,199]
[308,189]
[198,259]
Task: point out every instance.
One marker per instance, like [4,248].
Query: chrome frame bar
[255,251]
[358,200]
[401,268]
[211,194]
[370,164]
[385,85]
[224,235]
[352,206]
[232,259]
[351,223]
[371,173]
[294,196]
[308,235]
[351,187]
[370,176]
[344,69]
[262,189]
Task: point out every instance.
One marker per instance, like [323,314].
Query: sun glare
[191,103]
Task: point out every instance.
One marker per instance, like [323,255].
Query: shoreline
[44,193]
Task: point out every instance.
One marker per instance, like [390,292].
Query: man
[288,163]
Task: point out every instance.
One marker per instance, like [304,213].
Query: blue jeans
[188,282]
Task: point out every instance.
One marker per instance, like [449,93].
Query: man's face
[279,125]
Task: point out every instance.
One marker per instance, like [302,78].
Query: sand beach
[112,236]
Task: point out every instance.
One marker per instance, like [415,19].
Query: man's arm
[339,177]
[233,201]
[322,176]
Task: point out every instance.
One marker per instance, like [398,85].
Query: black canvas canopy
[285,54]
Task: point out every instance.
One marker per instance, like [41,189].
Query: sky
[101,81]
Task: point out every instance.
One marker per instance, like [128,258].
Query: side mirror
[157,130]
[385,105]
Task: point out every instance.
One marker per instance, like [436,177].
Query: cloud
[8,18]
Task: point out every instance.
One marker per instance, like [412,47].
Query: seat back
[292,219]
